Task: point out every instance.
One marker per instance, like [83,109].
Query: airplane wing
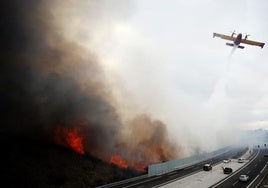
[225,37]
[254,43]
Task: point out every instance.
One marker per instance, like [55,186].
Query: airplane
[238,40]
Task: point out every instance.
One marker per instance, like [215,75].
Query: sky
[161,59]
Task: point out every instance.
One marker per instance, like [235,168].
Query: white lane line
[257,176]
[256,165]
[238,170]
[235,183]
[253,181]
[248,171]
[263,168]
[260,181]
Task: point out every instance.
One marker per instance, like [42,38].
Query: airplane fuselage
[238,39]
[236,42]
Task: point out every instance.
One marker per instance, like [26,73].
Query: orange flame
[70,138]
[118,161]
[138,166]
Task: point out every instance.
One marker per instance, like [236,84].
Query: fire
[145,149]
[118,161]
[70,137]
[138,166]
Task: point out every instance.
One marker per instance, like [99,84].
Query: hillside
[32,163]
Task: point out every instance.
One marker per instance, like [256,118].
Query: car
[227,170]
[243,177]
[226,160]
[207,167]
[240,160]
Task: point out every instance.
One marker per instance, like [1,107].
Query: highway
[155,181]
[253,169]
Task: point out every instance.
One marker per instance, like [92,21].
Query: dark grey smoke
[40,87]
[47,82]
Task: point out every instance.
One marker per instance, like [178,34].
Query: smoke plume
[56,90]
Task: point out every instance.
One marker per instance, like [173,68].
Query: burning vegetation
[55,90]
[70,138]
[117,160]
[146,143]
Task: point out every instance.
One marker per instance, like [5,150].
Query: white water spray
[219,91]
[232,51]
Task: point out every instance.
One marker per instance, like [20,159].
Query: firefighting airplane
[238,39]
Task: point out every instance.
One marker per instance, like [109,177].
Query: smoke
[49,81]
[55,89]
[144,133]
[146,73]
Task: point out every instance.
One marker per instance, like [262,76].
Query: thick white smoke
[174,79]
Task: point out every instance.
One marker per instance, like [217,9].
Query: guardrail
[166,167]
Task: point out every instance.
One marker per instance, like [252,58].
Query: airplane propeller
[246,35]
[233,33]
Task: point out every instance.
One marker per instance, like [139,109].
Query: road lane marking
[238,170]
[235,182]
[263,168]
[253,181]
[260,181]
[257,176]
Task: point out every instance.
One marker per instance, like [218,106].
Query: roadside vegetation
[32,163]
